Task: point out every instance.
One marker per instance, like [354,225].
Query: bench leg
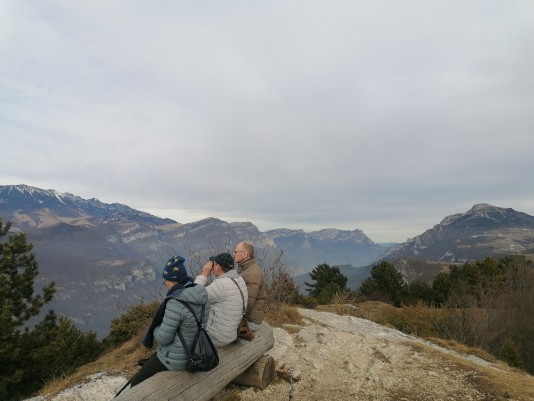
[259,375]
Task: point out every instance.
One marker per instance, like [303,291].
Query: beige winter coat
[253,276]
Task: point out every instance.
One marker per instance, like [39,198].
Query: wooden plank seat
[234,359]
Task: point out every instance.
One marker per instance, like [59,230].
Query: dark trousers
[152,366]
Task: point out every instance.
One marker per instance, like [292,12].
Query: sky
[383,116]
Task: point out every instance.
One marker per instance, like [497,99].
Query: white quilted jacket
[226,306]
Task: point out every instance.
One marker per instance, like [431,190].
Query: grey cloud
[378,115]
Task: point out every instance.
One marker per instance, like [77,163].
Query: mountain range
[104,257]
[484,230]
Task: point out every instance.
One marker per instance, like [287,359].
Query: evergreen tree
[328,282]
[510,354]
[18,270]
[478,281]
[441,287]
[53,348]
[386,281]
[28,358]
[420,291]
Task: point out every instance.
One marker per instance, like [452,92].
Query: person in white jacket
[225,299]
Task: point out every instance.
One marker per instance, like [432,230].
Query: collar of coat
[247,263]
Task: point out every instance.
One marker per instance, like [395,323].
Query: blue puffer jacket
[170,350]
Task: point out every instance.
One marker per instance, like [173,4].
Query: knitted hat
[175,270]
[224,260]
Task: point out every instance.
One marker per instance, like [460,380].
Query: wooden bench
[235,362]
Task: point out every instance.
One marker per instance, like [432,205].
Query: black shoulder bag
[203,356]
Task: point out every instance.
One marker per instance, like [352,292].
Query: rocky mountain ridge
[102,255]
[484,230]
[69,207]
[328,245]
[105,255]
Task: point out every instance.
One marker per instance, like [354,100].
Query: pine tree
[53,348]
[441,287]
[386,281]
[328,282]
[18,303]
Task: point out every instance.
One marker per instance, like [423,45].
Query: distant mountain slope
[32,207]
[105,255]
[331,246]
[484,230]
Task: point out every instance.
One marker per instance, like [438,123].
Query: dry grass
[464,349]
[500,384]
[120,361]
[283,314]
[414,319]
[286,317]
[371,310]
[510,384]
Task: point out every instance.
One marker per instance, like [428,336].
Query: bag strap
[199,325]
[199,322]
[241,292]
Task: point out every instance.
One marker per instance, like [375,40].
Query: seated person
[224,297]
[171,316]
[253,276]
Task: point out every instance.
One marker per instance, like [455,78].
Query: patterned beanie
[175,270]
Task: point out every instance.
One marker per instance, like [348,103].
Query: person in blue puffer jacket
[171,316]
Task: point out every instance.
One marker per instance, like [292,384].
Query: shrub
[130,323]
[280,287]
[307,301]
[511,355]
[414,319]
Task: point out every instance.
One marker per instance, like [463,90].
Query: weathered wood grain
[260,374]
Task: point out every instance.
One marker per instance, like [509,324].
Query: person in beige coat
[253,276]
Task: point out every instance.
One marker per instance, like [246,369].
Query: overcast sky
[382,115]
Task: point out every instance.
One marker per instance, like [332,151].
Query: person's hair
[179,280]
[249,248]
[224,269]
